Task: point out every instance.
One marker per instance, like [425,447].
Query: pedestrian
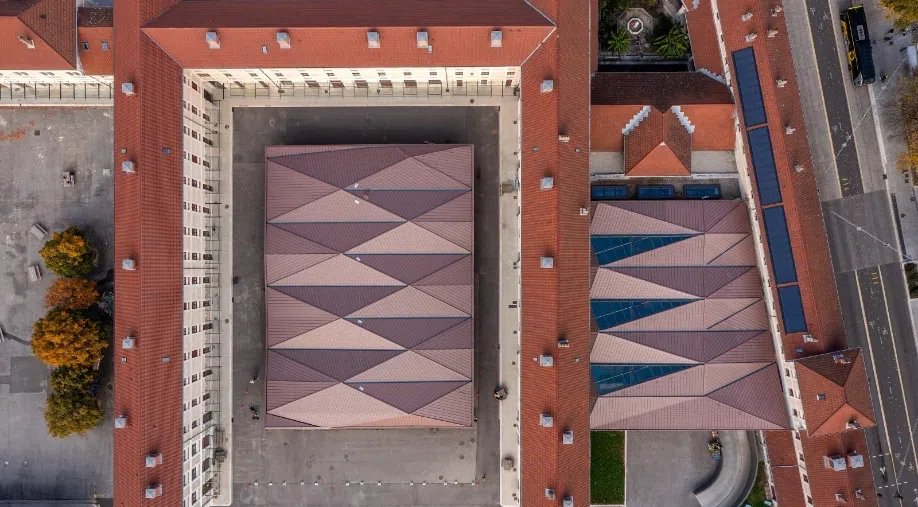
[887,38]
[891,30]
[254,379]
[883,77]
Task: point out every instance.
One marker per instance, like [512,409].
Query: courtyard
[36,145]
[416,466]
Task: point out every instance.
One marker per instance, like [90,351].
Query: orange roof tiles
[94,26]
[825,482]
[660,145]
[668,89]
[781,451]
[50,24]
[714,126]
[703,37]
[606,126]
[840,379]
[788,489]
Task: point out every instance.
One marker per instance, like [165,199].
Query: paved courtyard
[401,459]
[665,468]
[36,145]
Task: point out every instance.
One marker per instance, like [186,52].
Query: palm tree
[619,42]
[673,43]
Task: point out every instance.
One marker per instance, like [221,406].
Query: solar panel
[782,255]
[750,91]
[792,309]
[763,165]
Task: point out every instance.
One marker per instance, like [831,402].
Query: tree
[672,44]
[75,293]
[908,107]
[71,414]
[619,42]
[69,253]
[63,338]
[903,12]
[73,380]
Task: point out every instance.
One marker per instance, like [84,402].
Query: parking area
[36,146]
[665,468]
[360,467]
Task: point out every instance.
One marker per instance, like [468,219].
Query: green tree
[672,44]
[903,12]
[71,414]
[72,380]
[63,338]
[619,42]
[69,253]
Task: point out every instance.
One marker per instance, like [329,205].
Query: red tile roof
[661,90]
[703,37]
[840,378]
[94,26]
[788,488]
[50,24]
[606,126]
[781,451]
[658,146]
[825,482]
[95,17]
[557,300]
[714,126]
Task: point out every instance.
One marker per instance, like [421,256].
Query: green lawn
[756,497]
[607,467]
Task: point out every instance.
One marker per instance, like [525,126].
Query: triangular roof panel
[407,238]
[340,270]
[409,268]
[407,367]
[339,206]
[337,237]
[407,396]
[339,334]
[409,174]
[455,407]
[408,302]
[337,406]
[411,332]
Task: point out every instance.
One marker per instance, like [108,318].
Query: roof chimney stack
[423,40]
[373,40]
[213,40]
[497,39]
[283,40]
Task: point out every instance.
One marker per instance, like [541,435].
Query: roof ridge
[765,365]
[40,31]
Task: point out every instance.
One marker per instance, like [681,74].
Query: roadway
[855,169]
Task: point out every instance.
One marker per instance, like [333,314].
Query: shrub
[619,42]
[63,338]
[71,414]
[68,253]
[903,12]
[672,44]
[76,293]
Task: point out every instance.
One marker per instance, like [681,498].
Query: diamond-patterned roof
[368,265]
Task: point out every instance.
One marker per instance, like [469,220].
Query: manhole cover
[635,26]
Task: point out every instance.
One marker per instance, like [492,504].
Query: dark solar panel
[609,249]
[615,312]
[763,165]
[609,378]
[792,309]
[750,91]
[782,256]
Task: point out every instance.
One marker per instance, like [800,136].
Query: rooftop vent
[859,494]
[855,460]
[853,425]
[584,212]
[547,262]
[564,138]
[821,396]
[29,43]
[799,168]
[548,86]
[547,183]
[549,493]
[836,463]
[423,40]
[772,32]
[213,40]
[127,264]
[283,40]
[840,359]
[127,166]
[789,129]
[127,88]
[373,40]
[808,338]
[747,16]
[780,83]
[546,360]
[154,491]
[567,502]
[563,343]
[548,421]
[567,438]
[751,37]
[121,421]
[128,342]
[154,459]
[840,498]
[775,10]
[497,39]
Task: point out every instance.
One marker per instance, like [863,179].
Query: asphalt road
[865,251]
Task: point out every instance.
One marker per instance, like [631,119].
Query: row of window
[195,353]
[194,329]
[193,256]
[189,206]
[194,231]
[193,305]
[354,73]
[44,73]
[204,420]
[191,380]
[85,45]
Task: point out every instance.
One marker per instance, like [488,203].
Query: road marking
[898,371]
[873,365]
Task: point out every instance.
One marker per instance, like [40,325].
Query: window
[790,392]
[806,479]
[194,402]
[286,83]
[433,73]
[797,435]
[85,46]
[194,424]
[795,413]
[337,84]
[485,73]
[105,46]
[207,417]
[800,456]
[205,442]
[809,500]
[459,73]
[194,353]
[194,449]
[786,372]
[821,396]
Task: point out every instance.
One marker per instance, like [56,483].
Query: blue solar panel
[609,192]
[791,309]
[763,166]
[615,312]
[782,255]
[609,249]
[750,91]
[612,377]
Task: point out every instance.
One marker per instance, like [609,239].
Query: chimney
[373,40]
[751,37]
[840,359]
[121,422]
[547,421]
[547,262]
[855,460]
[548,86]
[423,39]
[283,40]
[798,168]
[128,264]
[772,32]
[127,166]
[836,463]
[781,82]
[213,40]
[547,183]
[127,342]
[567,502]
[746,17]
[29,43]
[154,459]
[154,491]
[549,493]
[789,129]
[546,360]
[567,438]
[497,39]
[127,88]
[840,498]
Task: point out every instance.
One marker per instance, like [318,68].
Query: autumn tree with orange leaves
[63,338]
[76,293]
[69,253]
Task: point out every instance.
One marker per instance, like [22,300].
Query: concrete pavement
[870,215]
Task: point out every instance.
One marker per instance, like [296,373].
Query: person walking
[254,379]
